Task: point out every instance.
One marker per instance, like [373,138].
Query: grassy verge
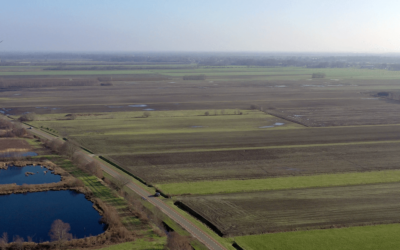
[226,242]
[140,244]
[324,180]
[353,238]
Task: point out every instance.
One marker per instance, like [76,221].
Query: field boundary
[197,216]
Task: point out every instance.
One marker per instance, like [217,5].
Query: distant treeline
[133,78]
[115,68]
[34,83]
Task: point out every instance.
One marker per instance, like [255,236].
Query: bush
[207,113]
[27,117]
[146,114]
[318,75]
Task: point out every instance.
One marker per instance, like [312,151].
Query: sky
[359,26]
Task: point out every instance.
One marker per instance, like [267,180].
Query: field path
[195,231]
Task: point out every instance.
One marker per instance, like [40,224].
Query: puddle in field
[313,85]
[148,109]
[298,115]
[372,98]
[272,126]
[115,107]
[138,106]
[335,85]
[280,86]
[176,103]
[172,82]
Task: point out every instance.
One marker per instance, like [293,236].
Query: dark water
[17,175]
[17,154]
[32,214]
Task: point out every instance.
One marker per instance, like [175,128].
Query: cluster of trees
[12,129]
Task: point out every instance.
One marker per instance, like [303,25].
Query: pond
[17,154]
[18,175]
[32,214]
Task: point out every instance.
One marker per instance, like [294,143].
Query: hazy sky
[206,25]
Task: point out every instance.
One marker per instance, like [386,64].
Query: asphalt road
[165,208]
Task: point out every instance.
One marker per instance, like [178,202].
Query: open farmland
[354,238]
[300,209]
[10,144]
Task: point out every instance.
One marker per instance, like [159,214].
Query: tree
[146,114]
[68,149]
[176,241]
[318,75]
[59,232]
[27,117]
[94,168]
[3,241]
[207,113]
[18,242]
[120,182]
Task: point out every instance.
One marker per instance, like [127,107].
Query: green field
[261,212]
[273,73]
[325,180]
[355,238]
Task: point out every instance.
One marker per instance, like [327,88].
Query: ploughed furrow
[286,210]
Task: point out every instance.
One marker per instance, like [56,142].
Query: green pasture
[293,182]
[139,244]
[354,238]
[289,72]
[162,122]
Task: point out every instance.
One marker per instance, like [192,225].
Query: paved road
[165,208]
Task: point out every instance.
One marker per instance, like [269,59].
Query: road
[165,208]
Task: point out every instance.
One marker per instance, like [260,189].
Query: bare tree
[18,242]
[120,182]
[27,117]
[3,241]
[146,114]
[176,241]
[59,232]
[68,149]
[94,168]
[5,123]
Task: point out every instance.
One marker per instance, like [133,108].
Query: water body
[17,154]
[138,106]
[17,175]
[32,214]
[148,109]
[272,126]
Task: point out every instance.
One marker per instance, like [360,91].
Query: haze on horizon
[225,25]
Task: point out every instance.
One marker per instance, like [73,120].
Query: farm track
[195,231]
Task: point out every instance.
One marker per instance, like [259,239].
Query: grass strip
[353,238]
[323,180]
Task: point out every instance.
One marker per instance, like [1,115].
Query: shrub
[318,75]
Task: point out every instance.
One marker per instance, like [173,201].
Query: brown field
[8,144]
[335,104]
[274,211]
[261,163]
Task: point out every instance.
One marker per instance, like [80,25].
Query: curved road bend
[165,208]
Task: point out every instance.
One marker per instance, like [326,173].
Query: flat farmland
[300,209]
[354,238]
[260,163]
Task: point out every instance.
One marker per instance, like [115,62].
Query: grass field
[298,209]
[354,238]
[235,186]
